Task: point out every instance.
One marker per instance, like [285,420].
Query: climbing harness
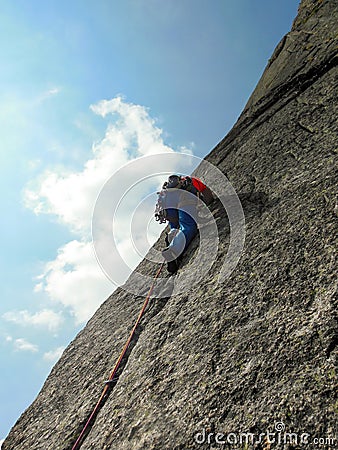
[110,380]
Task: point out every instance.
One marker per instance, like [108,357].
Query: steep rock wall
[259,349]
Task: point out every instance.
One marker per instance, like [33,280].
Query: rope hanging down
[99,403]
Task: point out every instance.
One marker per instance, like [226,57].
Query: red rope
[78,442]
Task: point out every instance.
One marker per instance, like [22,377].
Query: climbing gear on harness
[160,210]
[174,182]
[112,378]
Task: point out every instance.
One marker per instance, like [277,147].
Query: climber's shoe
[170,257]
[172,266]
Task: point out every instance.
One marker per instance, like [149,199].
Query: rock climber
[178,205]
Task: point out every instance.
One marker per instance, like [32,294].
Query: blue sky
[175,76]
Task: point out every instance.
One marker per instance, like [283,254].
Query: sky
[87,86]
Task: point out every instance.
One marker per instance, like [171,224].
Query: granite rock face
[252,354]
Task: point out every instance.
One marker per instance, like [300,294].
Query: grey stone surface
[253,351]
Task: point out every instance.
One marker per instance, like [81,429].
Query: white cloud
[23,345]
[52,92]
[45,318]
[53,355]
[74,279]
[134,125]
[39,286]
[71,196]
[1,442]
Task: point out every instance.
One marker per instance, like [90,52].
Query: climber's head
[173,181]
